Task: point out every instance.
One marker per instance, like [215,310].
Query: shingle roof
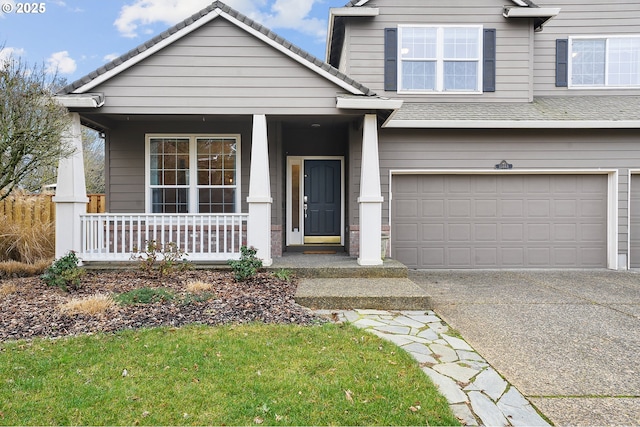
[542,109]
[192,19]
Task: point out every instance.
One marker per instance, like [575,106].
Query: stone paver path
[477,394]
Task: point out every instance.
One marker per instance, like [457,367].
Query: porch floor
[337,282]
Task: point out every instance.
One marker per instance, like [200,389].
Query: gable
[219,68]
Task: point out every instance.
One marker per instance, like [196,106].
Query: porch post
[71,192]
[370,199]
[259,200]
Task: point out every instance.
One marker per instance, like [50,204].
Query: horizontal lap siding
[483,149]
[219,69]
[576,18]
[365,38]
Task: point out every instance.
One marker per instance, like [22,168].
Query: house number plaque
[504,165]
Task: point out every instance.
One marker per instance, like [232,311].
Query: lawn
[225,375]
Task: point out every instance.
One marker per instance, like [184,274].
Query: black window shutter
[562,63]
[489,61]
[391,59]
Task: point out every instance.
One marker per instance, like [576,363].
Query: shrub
[26,243]
[10,269]
[93,305]
[248,264]
[144,296]
[198,286]
[64,273]
[166,259]
[7,289]
[283,274]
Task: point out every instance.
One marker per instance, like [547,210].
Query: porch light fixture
[315,125]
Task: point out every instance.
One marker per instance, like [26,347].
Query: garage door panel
[507,221]
[407,208]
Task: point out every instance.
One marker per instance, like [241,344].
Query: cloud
[288,14]
[110,57]
[61,62]
[10,52]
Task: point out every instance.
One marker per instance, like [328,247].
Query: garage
[485,221]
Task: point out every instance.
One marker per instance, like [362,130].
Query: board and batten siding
[364,38]
[219,69]
[580,18]
[483,149]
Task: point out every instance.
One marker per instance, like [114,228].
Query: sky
[75,37]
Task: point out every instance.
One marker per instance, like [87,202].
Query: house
[476,133]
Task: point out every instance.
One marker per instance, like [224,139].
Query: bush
[248,264]
[11,269]
[166,259]
[64,273]
[144,296]
[26,243]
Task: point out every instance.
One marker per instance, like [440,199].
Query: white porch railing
[204,237]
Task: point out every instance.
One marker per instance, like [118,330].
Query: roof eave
[368,103]
[512,124]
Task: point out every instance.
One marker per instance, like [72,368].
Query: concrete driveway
[567,340]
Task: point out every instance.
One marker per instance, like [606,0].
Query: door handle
[305,199]
[305,209]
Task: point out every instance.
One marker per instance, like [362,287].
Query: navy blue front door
[322,191]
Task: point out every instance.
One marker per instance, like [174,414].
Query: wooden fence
[28,209]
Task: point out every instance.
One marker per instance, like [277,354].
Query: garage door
[500,221]
[634,220]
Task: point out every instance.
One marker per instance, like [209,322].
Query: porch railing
[204,237]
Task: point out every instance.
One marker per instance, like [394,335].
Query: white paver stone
[446,353]
[368,323]
[464,414]
[398,340]
[429,334]
[438,327]
[368,312]
[406,321]
[397,330]
[417,348]
[351,316]
[470,355]
[457,343]
[455,371]
[492,384]
[424,359]
[488,412]
[416,338]
[519,410]
[447,387]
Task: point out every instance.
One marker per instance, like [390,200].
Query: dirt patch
[33,309]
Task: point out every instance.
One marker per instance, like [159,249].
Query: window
[440,59]
[193,174]
[612,61]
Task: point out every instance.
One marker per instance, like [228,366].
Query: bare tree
[32,123]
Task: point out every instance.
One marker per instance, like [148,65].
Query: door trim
[612,194]
[296,238]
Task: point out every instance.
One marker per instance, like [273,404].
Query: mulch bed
[33,310]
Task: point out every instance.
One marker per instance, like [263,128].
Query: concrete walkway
[569,341]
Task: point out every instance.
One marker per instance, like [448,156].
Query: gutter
[85,100]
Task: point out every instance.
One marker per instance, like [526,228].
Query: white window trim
[440,61]
[606,85]
[193,167]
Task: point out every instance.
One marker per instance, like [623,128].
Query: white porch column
[71,192]
[259,200]
[370,199]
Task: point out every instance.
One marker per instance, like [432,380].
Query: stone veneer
[276,241]
[354,239]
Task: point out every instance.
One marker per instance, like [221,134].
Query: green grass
[233,375]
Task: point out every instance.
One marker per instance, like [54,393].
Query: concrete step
[336,266]
[361,293]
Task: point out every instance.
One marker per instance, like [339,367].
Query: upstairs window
[440,59]
[612,61]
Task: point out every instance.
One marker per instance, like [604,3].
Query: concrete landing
[336,266]
[362,293]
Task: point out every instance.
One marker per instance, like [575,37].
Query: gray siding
[365,38]
[219,69]
[483,149]
[578,17]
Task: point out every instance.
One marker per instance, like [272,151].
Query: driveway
[567,340]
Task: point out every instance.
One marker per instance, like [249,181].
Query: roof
[611,111]
[215,9]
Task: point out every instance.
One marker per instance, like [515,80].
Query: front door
[314,200]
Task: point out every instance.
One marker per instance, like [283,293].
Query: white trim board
[612,194]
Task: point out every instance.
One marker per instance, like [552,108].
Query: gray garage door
[634,220]
[500,221]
